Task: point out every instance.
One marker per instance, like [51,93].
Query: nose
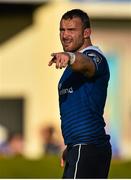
[65,34]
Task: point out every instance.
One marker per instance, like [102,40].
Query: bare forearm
[83,64]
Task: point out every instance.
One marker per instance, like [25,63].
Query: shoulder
[94,51]
[98,57]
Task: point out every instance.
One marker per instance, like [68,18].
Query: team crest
[95,57]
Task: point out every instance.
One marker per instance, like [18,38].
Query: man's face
[72,34]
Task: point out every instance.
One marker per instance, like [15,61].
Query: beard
[72,46]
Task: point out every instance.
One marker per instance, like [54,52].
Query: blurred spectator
[13,146]
[51,146]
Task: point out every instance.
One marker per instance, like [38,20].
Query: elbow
[89,74]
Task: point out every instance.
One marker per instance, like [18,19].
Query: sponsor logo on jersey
[66,91]
[60,85]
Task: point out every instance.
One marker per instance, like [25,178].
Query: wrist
[72,57]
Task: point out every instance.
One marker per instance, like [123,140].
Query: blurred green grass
[49,167]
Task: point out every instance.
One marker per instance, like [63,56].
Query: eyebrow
[67,29]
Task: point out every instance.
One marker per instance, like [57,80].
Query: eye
[62,30]
[71,29]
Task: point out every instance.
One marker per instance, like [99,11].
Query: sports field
[48,167]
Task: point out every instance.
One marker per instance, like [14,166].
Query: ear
[87,32]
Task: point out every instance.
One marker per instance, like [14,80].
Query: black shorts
[87,161]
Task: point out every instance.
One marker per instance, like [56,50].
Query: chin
[68,49]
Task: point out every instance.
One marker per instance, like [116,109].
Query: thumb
[53,54]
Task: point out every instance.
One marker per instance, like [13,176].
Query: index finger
[51,62]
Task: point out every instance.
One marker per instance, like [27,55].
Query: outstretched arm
[78,62]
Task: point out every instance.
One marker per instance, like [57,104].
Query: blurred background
[30,133]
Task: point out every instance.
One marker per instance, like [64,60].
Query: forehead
[74,22]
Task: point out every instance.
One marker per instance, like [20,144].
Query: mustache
[67,39]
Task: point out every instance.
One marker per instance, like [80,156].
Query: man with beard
[82,96]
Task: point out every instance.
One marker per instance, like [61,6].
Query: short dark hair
[80,14]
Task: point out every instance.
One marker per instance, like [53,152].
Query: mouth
[67,42]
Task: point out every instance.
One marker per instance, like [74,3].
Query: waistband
[69,146]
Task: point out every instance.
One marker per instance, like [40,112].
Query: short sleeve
[99,61]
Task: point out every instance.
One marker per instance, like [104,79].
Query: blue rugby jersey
[82,101]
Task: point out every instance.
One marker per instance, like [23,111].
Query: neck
[86,44]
